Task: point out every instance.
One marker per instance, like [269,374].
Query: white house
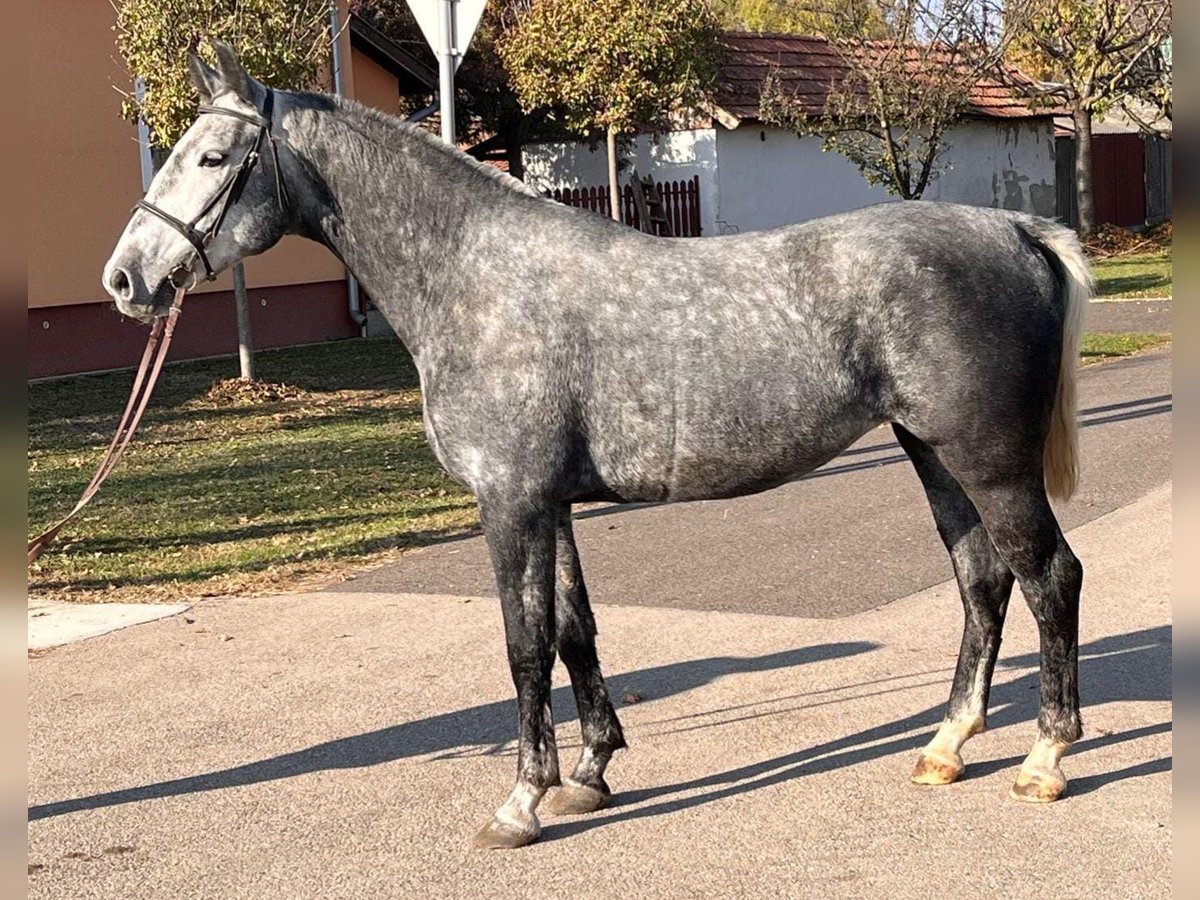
[754,175]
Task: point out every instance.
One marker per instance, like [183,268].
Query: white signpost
[448,26]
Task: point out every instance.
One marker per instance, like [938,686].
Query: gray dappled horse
[565,358]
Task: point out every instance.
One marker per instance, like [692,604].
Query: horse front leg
[585,790]
[520,537]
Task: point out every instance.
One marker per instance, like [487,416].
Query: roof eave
[724,117]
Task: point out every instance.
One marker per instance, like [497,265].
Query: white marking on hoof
[507,835]
[1040,779]
[515,824]
[574,799]
[940,762]
[936,766]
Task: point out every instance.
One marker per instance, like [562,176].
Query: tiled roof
[807,66]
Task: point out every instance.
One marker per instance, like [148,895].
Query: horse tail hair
[1060,246]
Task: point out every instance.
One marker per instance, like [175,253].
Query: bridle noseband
[227,194]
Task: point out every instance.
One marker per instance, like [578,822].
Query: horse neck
[392,205]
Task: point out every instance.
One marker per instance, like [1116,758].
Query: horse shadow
[485,729]
[1122,668]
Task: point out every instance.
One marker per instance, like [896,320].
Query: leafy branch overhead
[282,43]
[1096,52]
[1089,56]
[612,65]
[889,102]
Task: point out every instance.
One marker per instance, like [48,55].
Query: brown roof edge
[395,57]
[808,56]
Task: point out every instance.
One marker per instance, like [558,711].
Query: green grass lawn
[1140,275]
[227,493]
[1099,347]
[235,490]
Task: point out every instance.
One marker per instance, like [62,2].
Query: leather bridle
[164,325]
[227,194]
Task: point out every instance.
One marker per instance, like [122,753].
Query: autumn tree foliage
[1089,56]
[282,43]
[611,66]
[891,101]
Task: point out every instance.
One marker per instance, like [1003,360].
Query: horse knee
[1054,598]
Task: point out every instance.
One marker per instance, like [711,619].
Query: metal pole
[353,299]
[446,60]
[245,342]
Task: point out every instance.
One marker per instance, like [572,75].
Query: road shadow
[1123,668]
[484,729]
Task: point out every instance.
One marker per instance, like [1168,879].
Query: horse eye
[212,158]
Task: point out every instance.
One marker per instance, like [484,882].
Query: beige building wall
[85,163]
[374,85]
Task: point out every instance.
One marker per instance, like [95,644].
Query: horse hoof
[1038,785]
[575,800]
[937,767]
[501,835]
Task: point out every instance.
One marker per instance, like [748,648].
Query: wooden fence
[681,203]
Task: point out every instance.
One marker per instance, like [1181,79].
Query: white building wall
[771,177]
[674,156]
[756,177]
[1002,165]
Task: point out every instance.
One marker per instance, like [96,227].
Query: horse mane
[377,125]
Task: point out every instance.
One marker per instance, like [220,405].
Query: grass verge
[230,489]
[1141,275]
[1099,347]
[233,489]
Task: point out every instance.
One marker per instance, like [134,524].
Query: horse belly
[719,458]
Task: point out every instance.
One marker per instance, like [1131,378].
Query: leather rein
[163,329]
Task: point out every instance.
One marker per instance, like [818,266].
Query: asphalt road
[1116,316]
[852,536]
[346,746]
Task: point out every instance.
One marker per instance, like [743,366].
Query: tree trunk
[1084,200]
[614,187]
[245,343]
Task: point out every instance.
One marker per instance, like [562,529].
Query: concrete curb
[52,624]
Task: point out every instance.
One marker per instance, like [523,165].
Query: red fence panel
[681,203]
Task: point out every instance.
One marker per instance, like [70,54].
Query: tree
[1151,97]
[1089,55]
[489,116]
[891,102]
[611,65]
[282,43]
[811,17]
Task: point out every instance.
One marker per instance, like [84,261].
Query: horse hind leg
[1023,527]
[1017,515]
[985,583]
[585,790]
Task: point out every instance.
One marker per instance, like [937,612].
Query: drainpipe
[354,300]
[427,111]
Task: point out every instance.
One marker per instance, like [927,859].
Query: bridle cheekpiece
[227,194]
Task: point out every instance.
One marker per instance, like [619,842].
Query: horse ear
[229,68]
[203,78]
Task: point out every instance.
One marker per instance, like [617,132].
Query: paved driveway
[347,745]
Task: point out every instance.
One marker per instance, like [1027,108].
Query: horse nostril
[119,282]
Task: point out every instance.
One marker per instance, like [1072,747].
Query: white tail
[1061,456]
